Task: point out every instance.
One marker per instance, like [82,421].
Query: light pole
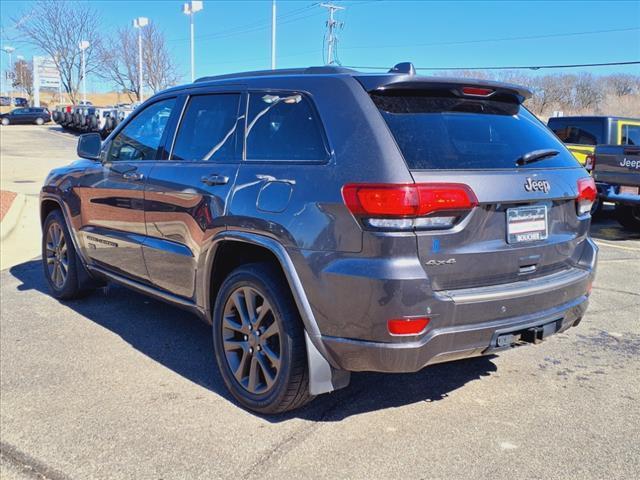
[83,45]
[273,34]
[139,23]
[190,9]
[9,50]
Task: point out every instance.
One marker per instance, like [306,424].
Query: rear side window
[578,131]
[283,127]
[437,130]
[630,134]
[208,129]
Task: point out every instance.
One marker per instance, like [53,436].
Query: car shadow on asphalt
[181,342]
[604,226]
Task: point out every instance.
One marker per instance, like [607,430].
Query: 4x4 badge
[449,261]
[537,185]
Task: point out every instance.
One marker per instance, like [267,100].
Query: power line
[254,26]
[521,67]
[503,39]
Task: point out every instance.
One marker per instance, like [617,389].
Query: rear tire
[5,121]
[629,216]
[259,340]
[39,121]
[61,265]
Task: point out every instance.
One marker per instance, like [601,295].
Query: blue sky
[235,35]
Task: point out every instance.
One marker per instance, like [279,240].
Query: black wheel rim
[252,340]
[56,255]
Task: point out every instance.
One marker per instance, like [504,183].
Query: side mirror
[89,145]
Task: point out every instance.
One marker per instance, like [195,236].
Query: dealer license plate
[527,224]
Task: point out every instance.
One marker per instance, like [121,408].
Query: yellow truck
[582,134]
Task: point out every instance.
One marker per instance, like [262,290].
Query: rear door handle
[133,176]
[215,179]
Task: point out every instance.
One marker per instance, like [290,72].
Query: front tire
[259,340]
[5,121]
[629,216]
[59,259]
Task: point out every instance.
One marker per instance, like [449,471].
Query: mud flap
[322,377]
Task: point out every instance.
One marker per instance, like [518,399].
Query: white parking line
[605,244]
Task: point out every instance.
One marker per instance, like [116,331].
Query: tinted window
[140,138]
[20,111]
[207,131]
[283,126]
[631,135]
[447,132]
[578,131]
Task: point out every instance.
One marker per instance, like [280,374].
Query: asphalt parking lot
[120,386]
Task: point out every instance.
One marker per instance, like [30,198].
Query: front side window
[140,138]
[283,127]
[630,135]
[208,129]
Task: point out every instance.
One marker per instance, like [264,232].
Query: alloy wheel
[252,340]
[57,256]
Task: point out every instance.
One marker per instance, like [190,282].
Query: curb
[12,217]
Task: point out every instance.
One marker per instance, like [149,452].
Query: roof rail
[405,67]
[326,69]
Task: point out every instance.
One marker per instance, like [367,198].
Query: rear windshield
[578,131]
[440,131]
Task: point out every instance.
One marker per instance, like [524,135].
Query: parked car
[581,134]
[617,175]
[20,102]
[327,221]
[5,101]
[36,115]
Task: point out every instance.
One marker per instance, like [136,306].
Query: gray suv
[326,221]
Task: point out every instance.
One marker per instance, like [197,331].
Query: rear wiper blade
[536,155]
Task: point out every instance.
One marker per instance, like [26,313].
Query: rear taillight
[587,194]
[409,206]
[590,162]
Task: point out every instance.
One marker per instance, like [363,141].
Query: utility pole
[273,34]
[138,23]
[190,9]
[332,25]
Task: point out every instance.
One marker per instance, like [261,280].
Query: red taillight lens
[407,326]
[590,162]
[381,202]
[587,194]
[477,91]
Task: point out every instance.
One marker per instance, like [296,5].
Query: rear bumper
[610,193]
[468,322]
[447,343]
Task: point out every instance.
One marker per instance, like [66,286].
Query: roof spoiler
[406,81]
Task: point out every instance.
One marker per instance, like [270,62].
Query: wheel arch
[233,248]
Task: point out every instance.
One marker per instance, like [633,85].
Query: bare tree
[56,28]
[23,76]
[587,92]
[160,71]
[623,84]
[119,60]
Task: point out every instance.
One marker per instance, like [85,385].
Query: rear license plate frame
[629,190]
[527,224]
